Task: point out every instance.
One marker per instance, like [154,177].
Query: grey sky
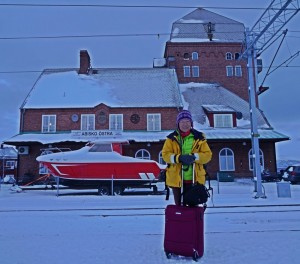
[279,103]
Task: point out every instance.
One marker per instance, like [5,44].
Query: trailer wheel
[118,190]
[103,190]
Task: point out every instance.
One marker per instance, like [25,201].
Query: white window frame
[261,159]
[143,154]
[229,56]
[116,122]
[223,120]
[154,122]
[226,160]
[195,55]
[160,159]
[43,169]
[10,164]
[195,71]
[186,71]
[87,122]
[48,123]
[238,70]
[229,71]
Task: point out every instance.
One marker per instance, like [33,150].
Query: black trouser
[177,193]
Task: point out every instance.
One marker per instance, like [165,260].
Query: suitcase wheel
[168,255]
[195,256]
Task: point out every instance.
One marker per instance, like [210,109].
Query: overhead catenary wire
[268,71]
[221,67]
[156,35]
[116,35]
[131,6]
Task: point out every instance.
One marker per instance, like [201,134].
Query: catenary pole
[274,18]
[251,65]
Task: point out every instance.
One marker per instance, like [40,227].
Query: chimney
[85,62]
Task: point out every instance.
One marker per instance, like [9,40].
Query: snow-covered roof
[211,134]
[193,28]
[197,96]
[114,87]
[218,108]
[8,152]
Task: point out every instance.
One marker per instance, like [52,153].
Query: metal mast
[275,17]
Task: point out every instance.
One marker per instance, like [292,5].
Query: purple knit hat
[184,114]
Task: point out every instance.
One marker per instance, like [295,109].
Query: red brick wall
[212,63]
[33,118]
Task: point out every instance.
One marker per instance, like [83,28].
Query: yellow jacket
[171,151]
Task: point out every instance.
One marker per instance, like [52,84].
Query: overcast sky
[25,52]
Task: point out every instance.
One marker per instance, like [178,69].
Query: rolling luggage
[184,231]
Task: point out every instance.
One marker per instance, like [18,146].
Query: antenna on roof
[209,29]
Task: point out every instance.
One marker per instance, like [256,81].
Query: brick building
[8,162]
[201,72]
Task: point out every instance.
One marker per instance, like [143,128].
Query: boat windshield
[101,148]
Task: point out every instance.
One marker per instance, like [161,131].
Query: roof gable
[193,28]
[195,96]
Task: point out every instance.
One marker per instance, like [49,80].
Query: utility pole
[275,17]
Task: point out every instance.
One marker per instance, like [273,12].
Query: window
[42,168]
[236,55]
[102,118]
[229,71]
[48,123]
[226,160]
[228,56]
[195,56]
[195,71]
[223,120]
[116,122]
[186,71]
[101,148]
[153,122]
[10,164]
[186,56]
[143,154]
[160,159]
[88,122]
[251,160]
[238,71]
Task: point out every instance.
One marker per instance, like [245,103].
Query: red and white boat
[100,165]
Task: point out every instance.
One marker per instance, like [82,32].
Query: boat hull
[98,164]
[97,174]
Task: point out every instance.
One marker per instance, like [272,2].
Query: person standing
[181,149]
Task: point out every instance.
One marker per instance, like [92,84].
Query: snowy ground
[36,226]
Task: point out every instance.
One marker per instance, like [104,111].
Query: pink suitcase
[184,231]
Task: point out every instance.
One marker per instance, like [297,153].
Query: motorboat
[101,165]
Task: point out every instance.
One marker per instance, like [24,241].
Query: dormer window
[223,120]
[220,116]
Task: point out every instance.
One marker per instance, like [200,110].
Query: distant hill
[282,164]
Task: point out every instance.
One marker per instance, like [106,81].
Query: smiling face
[185,125]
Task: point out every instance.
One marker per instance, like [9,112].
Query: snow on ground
[36,226]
